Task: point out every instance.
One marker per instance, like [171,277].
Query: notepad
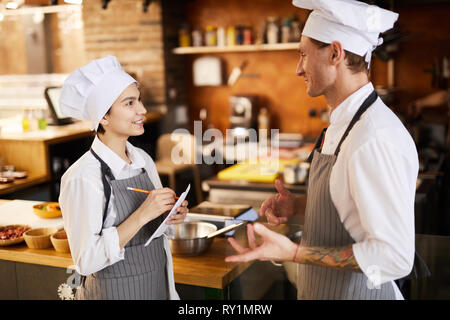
[163,226]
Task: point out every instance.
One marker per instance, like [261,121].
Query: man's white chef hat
[356,25]
[90,91]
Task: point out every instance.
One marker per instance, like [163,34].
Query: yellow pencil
[143,191]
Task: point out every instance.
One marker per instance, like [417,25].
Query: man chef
[358,234]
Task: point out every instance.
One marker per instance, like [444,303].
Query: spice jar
[197,38]
[248,35]
[210,36]
[272,30]
[184,37]
[221,37]
[231,36]
[26,120]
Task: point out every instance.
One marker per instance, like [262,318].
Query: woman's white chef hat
[90,91]
[356,25]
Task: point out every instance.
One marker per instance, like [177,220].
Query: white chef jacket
[82,202]
[372,186]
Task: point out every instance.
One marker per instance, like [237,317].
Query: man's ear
[337,53]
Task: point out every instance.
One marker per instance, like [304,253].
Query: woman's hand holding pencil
[143,191]
[160,201]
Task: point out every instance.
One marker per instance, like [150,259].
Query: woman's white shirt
[372,186]
[94,245]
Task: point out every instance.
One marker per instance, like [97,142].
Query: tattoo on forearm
[338,258]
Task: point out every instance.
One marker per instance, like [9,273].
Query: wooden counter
[207,270]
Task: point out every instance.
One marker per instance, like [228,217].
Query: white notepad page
[163,226]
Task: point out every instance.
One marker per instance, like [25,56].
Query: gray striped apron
[141,275]
[323,228]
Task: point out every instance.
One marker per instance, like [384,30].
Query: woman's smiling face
[127,114]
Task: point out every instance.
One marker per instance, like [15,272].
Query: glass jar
[231,36]
[184,37]
[221,37]
[26,120]
[42,121]
[248,35]
[197,38]
[34,125]
[272,30]
[210,36]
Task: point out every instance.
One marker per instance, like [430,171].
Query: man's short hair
[354,62]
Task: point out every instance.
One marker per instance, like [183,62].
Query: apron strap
[317,145]
[366,104]
[106,172]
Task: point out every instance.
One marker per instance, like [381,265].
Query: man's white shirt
[372,186]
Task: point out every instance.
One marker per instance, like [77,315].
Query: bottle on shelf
[210,36]
[221,37]
[248,35]
[184,37]
[231,36]
[41,119]
[197,38]
[273,30]
[286,31]
[26,120]
[263,119]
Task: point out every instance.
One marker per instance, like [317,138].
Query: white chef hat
[90,91]
[356,25]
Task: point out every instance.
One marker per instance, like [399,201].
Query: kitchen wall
[143,44]
[133,36]
[123,29]
[430,24]
[40,43]
[281,91]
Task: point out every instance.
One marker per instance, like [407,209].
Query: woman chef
[108,225]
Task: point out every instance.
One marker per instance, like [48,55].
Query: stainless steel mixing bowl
[194,238]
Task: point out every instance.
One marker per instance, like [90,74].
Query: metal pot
[194,238]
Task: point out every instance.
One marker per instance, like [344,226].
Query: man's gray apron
[142,274]
[323,228]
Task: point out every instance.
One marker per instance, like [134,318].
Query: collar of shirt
[347,109]
[116,163]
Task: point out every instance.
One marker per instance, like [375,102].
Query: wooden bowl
[10,242]
[47,210]
[60,242]
[39,238]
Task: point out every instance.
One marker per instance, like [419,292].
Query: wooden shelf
[241,48]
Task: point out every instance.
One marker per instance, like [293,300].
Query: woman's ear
[104,121]
[337,53]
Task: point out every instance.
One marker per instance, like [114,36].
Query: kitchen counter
[207,270]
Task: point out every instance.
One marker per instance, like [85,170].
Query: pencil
[143,191]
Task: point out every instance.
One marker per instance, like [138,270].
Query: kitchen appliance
[296,173]
[243,115]
[52,95]
[194,238]
[207,71]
